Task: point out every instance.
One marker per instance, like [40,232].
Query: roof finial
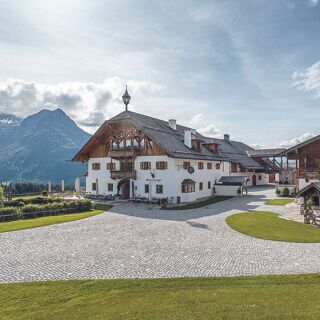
[126,98]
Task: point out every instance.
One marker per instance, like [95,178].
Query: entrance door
[125,190]
[254,180]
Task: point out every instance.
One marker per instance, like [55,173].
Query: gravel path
[133,241]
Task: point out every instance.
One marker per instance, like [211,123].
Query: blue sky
[249,68]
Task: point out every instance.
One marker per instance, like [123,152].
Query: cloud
[257,146]
[295,141]
[313,3]
[308,80]
[88,103]
[211,131]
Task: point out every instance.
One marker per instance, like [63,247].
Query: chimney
[226,137]
[187,138]
[173,124]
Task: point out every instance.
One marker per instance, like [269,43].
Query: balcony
[306,175]
[123,153]
[124,175]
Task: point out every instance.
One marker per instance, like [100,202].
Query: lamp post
[126,98]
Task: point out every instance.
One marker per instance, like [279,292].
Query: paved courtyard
[135,241]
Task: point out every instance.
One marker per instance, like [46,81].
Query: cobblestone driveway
[135,242]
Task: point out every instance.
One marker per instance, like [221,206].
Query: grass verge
[46,221]
[200,204]
[278,202]
[261,297]
[268,226]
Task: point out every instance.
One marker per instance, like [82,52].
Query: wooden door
[125,191]
[254,180]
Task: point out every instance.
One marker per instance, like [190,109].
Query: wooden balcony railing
[123,153]
[302,174]
[124,175]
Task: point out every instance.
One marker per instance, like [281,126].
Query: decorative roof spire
[126,98]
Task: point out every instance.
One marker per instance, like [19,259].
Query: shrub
[44,193]
[32,208]
[285,192]
[9,211]
[278,192]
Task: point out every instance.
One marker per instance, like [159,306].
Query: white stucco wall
[262,181]
[170,178]
[222,190]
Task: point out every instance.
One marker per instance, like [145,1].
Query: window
[145,165]
[111,166]
[187,188]
[96,166]
[110,186]
[162,165]
[186,165]
[146,188]
[218,166]
[209,184]
[259,177]
[94,186]
[159,188]
[200,165]
[234,167]
[209,165]
[200,186]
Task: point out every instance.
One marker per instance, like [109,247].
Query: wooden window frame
[111,166]
[200,186]
[94,186]
[218,166]
[96,166]
[186,165]
[161,165]
[110,187]
[146,189]
[159,188]
[145,165]
[200,165]
[209,165]
[209,185]
[188,188]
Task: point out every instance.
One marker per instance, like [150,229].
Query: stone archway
[123,188]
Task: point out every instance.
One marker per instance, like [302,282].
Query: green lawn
[45,221]
[200,204]
[279,202]
[267,225]
[261,297]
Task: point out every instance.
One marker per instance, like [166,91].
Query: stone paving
[135,241]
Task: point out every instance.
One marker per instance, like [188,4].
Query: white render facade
[170,179]
[134,155]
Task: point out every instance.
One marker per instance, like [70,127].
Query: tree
[1,196]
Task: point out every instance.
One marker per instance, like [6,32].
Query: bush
[9,211]
[32,208]
[278,192]
[285,192]
[44,193]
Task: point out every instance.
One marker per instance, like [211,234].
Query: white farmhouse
[136,155]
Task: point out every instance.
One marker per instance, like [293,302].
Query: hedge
[25,201]
[37,210]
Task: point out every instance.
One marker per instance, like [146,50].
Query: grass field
[267,225]
[278,202]
[46,221]
[262,297]
[200,204]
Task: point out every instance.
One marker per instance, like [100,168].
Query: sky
[249,68]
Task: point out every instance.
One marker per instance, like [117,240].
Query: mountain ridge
[38,148]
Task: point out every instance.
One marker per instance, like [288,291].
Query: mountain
[38,147]
[8,122]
